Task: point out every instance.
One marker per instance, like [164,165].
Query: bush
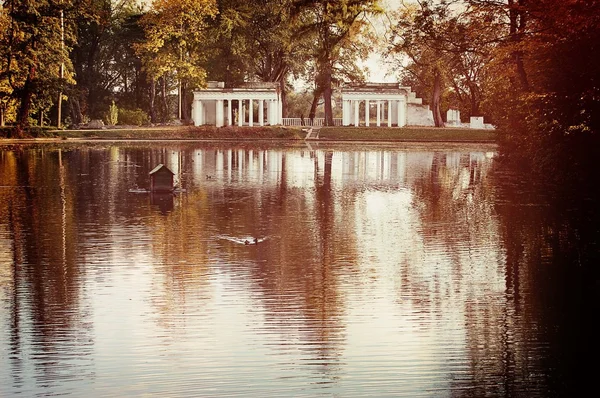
[135,117]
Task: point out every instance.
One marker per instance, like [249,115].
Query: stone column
[345,112]
[261,110]
[356,113]
[219,113]
[250,113]
[196,112]
[240,113]
[389,113]
[378,113]
[367,113]
[200,111]
[269,116]
[229,113]
[402,113]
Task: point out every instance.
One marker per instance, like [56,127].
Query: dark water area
[383,271]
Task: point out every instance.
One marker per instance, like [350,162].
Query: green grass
[422,134]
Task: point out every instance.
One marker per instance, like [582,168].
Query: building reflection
[162,201]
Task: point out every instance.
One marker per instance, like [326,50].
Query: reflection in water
[45,320]
[379,271]
[162,200]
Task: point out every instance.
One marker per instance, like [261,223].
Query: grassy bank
[407,134]
[424,134]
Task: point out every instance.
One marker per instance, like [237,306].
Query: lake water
[383,271]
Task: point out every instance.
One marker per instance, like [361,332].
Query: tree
[274,51]
[256,41]
[335,28]
[32,53]
[102,57]
[226,44]
[545,86]
[444,48]
[175,35]
[5,89]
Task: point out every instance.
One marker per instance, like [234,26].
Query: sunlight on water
[375,272]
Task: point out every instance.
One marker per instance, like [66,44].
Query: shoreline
[279,134]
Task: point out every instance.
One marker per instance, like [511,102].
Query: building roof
[374,87]
[160,167]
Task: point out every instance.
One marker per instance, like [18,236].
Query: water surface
[380,271]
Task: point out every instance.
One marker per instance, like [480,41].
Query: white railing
[317,122]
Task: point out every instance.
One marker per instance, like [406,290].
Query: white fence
[317,122]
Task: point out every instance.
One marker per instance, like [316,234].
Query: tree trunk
[152,99]
[284,101]
[327,91]
[25,106]
[165,105]
[75,110]
[474,99]
[436,99]
[517,24]
[315,103]
[1,115]
[185,113]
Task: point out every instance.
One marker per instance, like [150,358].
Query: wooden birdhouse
[161,179]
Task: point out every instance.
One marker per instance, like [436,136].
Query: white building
[260,104]
[248,105]
[391,105]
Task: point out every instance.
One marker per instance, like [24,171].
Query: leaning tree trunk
[313,107]
[436,99]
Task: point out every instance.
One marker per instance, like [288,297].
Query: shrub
[135,117]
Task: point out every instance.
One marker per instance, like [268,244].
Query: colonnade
[388,111]
[236,111]
[251,104]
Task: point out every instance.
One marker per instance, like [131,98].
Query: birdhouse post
[161,179]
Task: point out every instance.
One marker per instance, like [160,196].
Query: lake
[388,271]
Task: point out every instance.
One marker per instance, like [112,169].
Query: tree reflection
[551,237]
[455,205]
[45,295]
